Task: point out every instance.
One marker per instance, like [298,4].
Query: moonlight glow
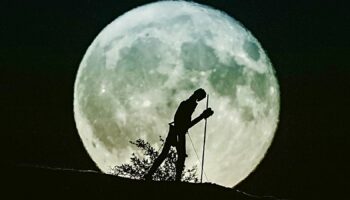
[142,65]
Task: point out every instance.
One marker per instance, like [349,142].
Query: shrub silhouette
[138,167]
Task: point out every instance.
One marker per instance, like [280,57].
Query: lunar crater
[252,49]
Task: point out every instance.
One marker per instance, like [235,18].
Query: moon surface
[143,64]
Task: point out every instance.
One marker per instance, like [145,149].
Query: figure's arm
[196,120]
[207,113]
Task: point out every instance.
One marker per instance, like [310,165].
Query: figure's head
[199,94]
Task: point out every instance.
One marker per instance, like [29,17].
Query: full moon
[142,65]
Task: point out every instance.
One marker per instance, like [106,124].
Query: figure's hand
[207,113]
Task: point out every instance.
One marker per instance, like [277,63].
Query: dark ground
[37,183]
[43,43]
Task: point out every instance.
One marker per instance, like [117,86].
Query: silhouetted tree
[138,167]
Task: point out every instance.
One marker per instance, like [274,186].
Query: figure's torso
[182,117]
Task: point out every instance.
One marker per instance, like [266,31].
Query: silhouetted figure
[177,132]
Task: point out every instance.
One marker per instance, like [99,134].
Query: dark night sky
[43,43]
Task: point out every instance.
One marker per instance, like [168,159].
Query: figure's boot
[148,177]
[157,162]
[178,177]
[179,168]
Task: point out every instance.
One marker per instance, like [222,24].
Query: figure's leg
[158,161]
[181,156]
